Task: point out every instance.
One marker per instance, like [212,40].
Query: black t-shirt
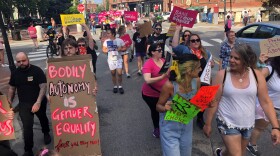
[61,39]
[158,39]
[27,83]
[92,52]
[140,43]
[51,33]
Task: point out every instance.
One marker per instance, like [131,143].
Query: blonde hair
[184,69]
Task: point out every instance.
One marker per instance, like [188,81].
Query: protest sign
[130,15]
[183,17]
[271,46]
[71,19]
[167,63]
[171,29]
[127,40]
[183,111]
[74,115]
[6,126]
[204,96]
[145,29]
[206,74]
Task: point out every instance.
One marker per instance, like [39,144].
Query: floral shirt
[225,54]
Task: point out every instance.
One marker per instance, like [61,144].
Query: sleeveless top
[188,95]
[237,106]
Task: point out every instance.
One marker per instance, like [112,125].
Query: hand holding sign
[127,40]
[6,120]
[204,96]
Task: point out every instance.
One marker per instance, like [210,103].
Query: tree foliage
[107,5]
[99,8]
[271,4]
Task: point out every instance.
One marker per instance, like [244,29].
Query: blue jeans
[175,137]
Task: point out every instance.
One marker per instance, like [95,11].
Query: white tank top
[237,106]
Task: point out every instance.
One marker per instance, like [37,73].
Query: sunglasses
[193,41]
[158,28]
[159,50]
[81,45]
[186,35]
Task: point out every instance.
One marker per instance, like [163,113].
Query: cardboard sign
[127,40]
[183,17]
[204,96]
[74,115]
[145,29]
[167,63]
[130,15]
[183,111]
[206,74]
[271,46]
[72,19]
[6,126]
[171,29]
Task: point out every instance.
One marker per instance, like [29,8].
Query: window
[277,32]
[265,32]
[249,32]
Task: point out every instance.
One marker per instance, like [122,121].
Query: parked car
[165,16]
[254,33]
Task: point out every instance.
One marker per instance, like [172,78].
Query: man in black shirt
[158,38]
[30,83]
[140,45]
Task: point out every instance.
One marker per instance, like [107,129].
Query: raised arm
[90,39]
[176,37]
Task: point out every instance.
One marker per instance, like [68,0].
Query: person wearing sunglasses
[176,137]
[185,36]
[158,38]
[113,48]
[154,81]
[30,83]
[86,45]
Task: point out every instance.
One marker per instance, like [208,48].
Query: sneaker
[139,73]
[127,75]
[115,90]
[47,138]
[218,151]
[253,149]
[156,133]
[121,90]
[4,65]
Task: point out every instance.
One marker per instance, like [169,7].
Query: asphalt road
[125,122]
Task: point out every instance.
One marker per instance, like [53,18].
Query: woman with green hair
[176,137]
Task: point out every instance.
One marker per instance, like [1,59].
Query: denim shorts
[225,130]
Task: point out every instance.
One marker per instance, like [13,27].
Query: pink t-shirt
[151,67]
[32,32]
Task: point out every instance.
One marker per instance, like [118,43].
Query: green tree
[271,4]
[6,6]
[73,9]
[107,5]
[99,8]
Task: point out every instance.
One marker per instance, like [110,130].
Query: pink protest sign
[130,15]
[204,96]
[183,17]
[127,40]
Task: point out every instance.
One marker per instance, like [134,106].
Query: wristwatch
[276,128]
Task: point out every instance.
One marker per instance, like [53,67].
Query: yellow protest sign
[271,46]
[71,19]
[171,29]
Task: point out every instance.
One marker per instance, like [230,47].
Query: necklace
[241,78]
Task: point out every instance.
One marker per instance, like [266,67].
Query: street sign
[80,7]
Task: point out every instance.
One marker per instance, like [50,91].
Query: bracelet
[276,128]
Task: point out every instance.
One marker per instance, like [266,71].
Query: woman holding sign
[240,86]
[153,82]
[175,136]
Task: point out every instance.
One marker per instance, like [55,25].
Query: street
[125,123]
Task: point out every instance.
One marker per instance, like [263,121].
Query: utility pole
[225,10]
[7,45]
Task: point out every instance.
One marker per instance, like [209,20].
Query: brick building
[167,5]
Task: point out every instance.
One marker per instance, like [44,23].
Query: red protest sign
[127,40]
[7,128]
[204,96]
[130,15]
[80,7]
[183,17]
